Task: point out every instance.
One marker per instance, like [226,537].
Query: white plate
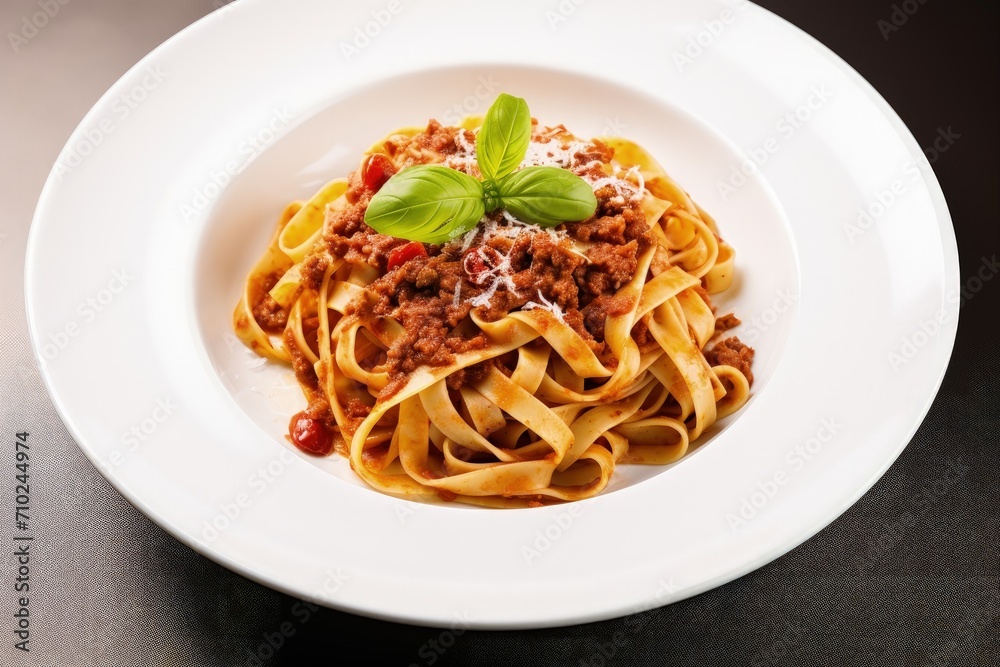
[169,188]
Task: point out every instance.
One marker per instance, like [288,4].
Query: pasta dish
[516,358]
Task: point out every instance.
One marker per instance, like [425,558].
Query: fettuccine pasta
[514,365]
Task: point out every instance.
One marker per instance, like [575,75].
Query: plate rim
[951,265]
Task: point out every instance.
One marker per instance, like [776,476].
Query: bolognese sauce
[501,266]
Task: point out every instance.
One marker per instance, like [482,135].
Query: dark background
[895,580]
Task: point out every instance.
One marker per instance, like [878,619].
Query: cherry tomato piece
[480,262]
[376,170]
[404,253]
[310,435]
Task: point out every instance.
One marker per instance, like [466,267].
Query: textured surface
[908,576]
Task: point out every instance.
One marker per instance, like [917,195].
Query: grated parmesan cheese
[625,188]
[554,152]
[458,293]
[545,304]
[501,274]
[466,159]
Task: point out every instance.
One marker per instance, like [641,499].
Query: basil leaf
[427,203]
[547,196]
[504,137]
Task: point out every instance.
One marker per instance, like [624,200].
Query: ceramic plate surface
[169,189]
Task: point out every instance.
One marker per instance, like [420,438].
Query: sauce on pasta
[514,365]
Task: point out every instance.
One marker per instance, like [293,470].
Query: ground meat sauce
[543,268]
[726,322]
[270,315]
[304,371]
[732,352]
[268,312]
[313,269]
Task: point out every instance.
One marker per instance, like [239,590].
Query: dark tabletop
[910,575]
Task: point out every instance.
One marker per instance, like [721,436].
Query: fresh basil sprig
[504,137]
[433,204]
[423,203]
[547,196]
